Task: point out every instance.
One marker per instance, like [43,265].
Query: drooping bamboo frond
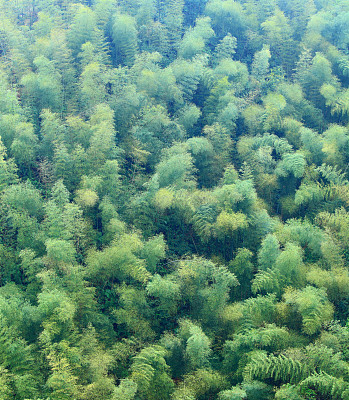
[278,368]
[266,281]
[326,386]
[332,174]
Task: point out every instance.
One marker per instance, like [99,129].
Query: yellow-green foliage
[174,200]
[228,223]
[312,305]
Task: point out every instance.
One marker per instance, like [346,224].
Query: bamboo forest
[174,200]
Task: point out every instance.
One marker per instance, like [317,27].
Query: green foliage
[188,116]
[149,372]
[197,347]
[167,291]
[226,48]
[153,251]
[269,252]
[288,392]
[62,382]
[251,313]
[309,194]
[134,312]
[335,141]
[289,262]
[201,384]
[313,306]
[8,172]
[92,85]
[188,75]
[243,268]
[205,286]
[174,200]
[234,394]
[125,391]
[285,269]
[125,39]
[24,197]
[270,338]
[325,385]
[82,28]
[24,139]
[176,169]
[9,101]
[119,260]
[173,21]
[60,251]
[227,17]
[6,391]
[228,223]
[17,364]
[278,368]
[278,33]
[249,390]
[291,164]
[260,65]
[43,89]
[156,131]
[194,40]
[332,175]
[266,281]
[159,84]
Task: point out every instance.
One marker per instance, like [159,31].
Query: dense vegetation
[174,200]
